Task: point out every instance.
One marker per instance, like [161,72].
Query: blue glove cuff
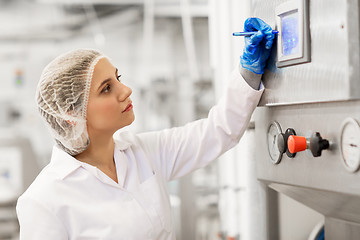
[254,67]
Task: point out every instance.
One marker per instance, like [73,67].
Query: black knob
[317,144]
[288,133]
[281,143]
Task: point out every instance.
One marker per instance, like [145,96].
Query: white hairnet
[62,96]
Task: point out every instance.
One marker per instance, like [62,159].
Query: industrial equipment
[308,122]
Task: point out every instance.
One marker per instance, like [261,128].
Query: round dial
[350,144]
[273,134]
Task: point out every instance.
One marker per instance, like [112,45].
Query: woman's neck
[99,153]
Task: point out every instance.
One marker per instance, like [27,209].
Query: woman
[101,185]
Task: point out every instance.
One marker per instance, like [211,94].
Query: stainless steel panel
[336,229]
[333,73]
[330,204]
[326,172]
[321,183]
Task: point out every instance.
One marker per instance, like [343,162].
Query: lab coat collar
[122,140]
[63,162]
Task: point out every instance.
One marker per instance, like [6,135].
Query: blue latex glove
[258,46]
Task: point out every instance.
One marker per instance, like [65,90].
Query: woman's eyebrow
[103,82]
[107,80]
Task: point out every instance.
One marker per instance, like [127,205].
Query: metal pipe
[188,32]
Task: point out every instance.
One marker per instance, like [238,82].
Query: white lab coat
[74,200]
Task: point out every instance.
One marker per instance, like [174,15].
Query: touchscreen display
[290,33]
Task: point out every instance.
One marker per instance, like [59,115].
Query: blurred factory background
[176,55]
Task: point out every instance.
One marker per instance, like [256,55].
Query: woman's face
[109,106]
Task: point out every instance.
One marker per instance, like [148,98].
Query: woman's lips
[128,107]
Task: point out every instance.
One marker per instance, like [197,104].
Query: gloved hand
[258,46]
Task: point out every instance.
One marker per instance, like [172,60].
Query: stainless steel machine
[307,127]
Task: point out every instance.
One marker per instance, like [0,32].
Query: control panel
[289,143]
[313,145]
[311,153]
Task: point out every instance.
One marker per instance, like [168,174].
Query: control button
[296,144]
[289,132]
[317,144]
[281,143]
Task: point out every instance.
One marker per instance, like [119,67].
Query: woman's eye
[106,89]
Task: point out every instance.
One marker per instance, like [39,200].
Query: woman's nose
[125,92]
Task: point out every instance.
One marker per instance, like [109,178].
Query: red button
[296,144]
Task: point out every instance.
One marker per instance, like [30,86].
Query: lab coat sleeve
[181,150]
[37,222]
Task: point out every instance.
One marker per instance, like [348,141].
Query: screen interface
[290,33]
